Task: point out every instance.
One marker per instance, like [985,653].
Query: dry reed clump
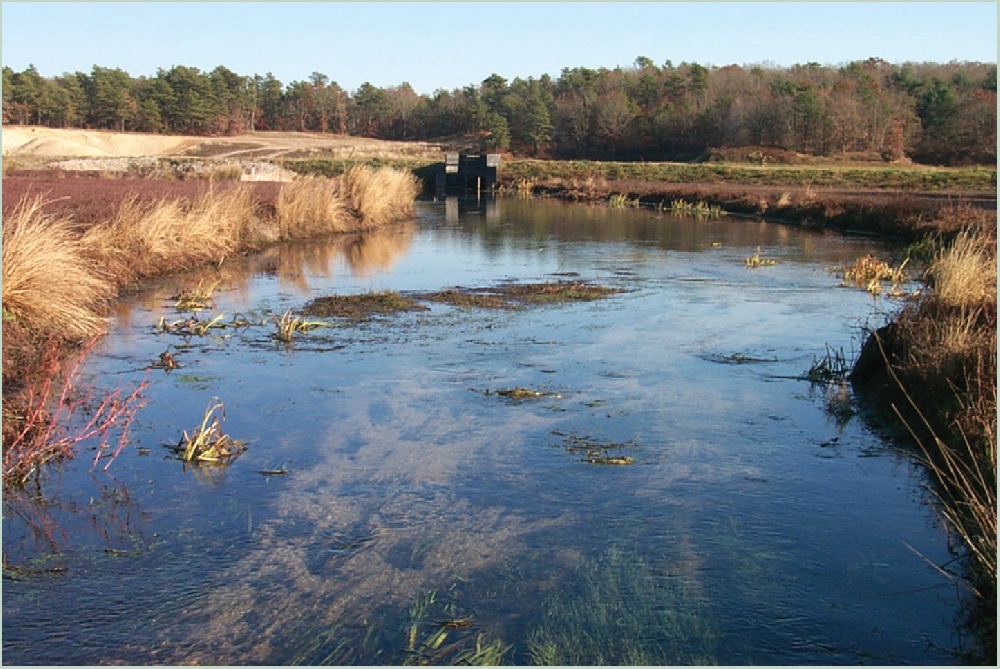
[380,195]
[51,287]
[143,239]
[965,273]
[311,207]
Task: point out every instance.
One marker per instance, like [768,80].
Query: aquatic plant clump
[207,444]
[757,260]
[287,325]
[869,272]
[516,295]
[699,209]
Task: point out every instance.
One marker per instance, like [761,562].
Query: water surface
[759,521]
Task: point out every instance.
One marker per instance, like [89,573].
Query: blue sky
[448,45]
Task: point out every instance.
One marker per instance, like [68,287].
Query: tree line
[930,112]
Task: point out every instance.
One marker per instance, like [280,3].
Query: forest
[932,113]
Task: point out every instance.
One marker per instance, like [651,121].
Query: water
[758,522]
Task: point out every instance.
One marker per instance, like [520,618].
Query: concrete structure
[461,173]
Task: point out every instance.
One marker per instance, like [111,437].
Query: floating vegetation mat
[735,359]
[520,393]
[598,452]
[504,296]
[361,307]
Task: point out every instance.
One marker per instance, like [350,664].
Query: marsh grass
[870,272]
[965,273]
[833,367]
[144,239]
[51,286]
[207,444]
[699,209]
[622,201]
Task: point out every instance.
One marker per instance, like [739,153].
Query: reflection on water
[423,512]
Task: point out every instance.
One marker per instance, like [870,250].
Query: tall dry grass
[965,273]
[51,285]
[144,239]
[312,207]
[380,195]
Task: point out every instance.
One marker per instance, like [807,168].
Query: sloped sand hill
[42,143]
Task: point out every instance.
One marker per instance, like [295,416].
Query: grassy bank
[851,177]
[935,367]
[60,275]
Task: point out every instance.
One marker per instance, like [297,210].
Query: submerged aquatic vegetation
[520,393]
[619,612]
[207,444]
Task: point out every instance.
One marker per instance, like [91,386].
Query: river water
[394,505]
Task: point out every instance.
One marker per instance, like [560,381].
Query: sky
[449,45]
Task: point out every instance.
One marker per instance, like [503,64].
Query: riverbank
[71,246]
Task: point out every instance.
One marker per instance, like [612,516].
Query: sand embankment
[38,142]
